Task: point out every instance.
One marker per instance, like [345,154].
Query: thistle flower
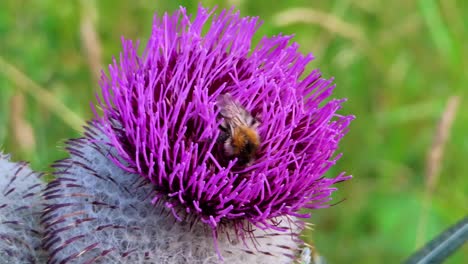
[156,149]
[160,115]
[20,206]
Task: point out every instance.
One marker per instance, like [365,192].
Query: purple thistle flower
[161,117]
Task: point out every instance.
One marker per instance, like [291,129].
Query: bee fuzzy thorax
[244,139]
[243,143]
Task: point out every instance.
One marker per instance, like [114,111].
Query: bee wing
[234,113]
[229,107]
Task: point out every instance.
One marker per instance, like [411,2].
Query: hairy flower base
[98,213]
[20,207]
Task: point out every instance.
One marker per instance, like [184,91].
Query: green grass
[398,62]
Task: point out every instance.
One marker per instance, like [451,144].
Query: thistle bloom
[160,127]
[160,114]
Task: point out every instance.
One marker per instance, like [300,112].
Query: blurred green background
[402,65]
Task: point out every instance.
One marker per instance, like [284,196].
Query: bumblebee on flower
[239,134]
[228,133]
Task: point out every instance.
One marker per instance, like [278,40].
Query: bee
[239,134]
